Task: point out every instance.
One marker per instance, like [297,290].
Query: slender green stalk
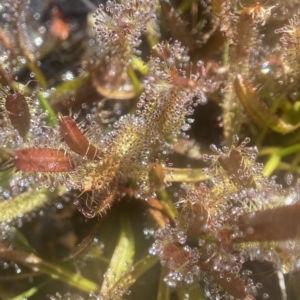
[139,65]
[276,156]
[271,165]
[138,270]
[31,292]
[67,87]
[134,80]
[168,204]
[54,271]
[38,74]
[51,117]
[164,292]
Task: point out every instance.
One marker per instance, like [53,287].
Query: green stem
[54,271]
[134,80]
[21,36]
[139,269]
[288,150]
[271,165]
[267,151]
[67,87]
[276,156]
[38,74]
[288,167]
[226,54]
[164,292]
[51,117]
[168,204]
[139,65]
[30,292]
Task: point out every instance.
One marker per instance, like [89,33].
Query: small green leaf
[274,224]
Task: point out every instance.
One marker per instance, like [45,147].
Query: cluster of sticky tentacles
[225,220]
[83,157]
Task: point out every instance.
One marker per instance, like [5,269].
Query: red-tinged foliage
[198,220]
[59,27]
[233,164]
[18,113]
[75,139]
[174,256]
[275,224]
[231,283]
[42,160]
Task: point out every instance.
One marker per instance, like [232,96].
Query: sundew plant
[149,149]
